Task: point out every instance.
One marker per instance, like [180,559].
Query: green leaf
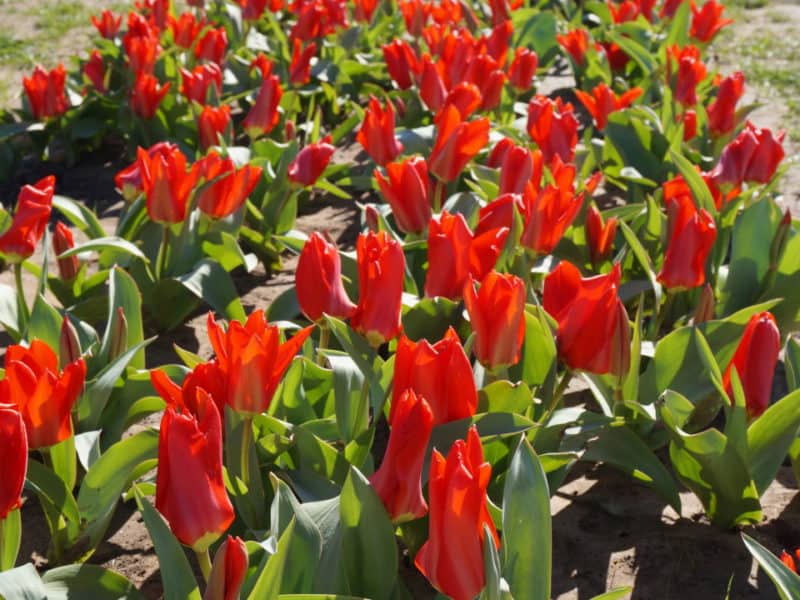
[702,195]
[786,582]
[124,294]
[536,29]
[769,439]
[791,361]
[527,526]
[356,346]
[642,257]
[641,56]
[113,243]
[52,491]
[504,396]
[22,583]
[268,584]
[80,216]
[10,538]
[429,318]
[679,26]
[352,415]
[45,323]
[617,593]
[88,581]
[209,281]
[177,577]
[538,349]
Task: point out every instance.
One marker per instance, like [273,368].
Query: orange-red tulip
[166,183]
[707,21]
[456,143]
[264,115]
[107,24]
[300,67]
[95,71]
[228,571]
[311,162]
[402,63]
[63,241]
[692,233]
[575,43]
[754,155]
[147,94]
[603,101]
[318,281]
[213,122]
[185,29]
[722,111]
[686,70]
[46,92]
[554,127]
[522,69]
[599,235]
[14,458]
[212,46]
[195,84]
[376,135]
[226,187]
[406,191]
[34,204]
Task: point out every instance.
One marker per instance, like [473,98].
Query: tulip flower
[623,12]
[456,143]
[452,557]
[252,9]
[195,84]
[311,162]
[754,360]
[253,360]
[707,21]
[554,127]
[722,111]
[318,281]
[213,122]
[499,40]
[205,379]
[300,67]
[486,74]
[603,101]
[147,94]
[142,51]
[692,233]
[599,235]
[522,69]
[14,458]
[381,269]
[415,14]
[95,71]
[364,9]
[166,183]
[228,571]
[519,165]
[686,70]
[46,93]
[689,120]
[406,191]
[264,115]
[499,152]
[129,179]
[107,24]
[669,8]
[754,155]
[63,241]
[496,314]
[190,491]
[185,29]
[376,135]
[788,560]
[575,43]
[34,204]
[43,395]
[402,63]
[432,90]
[398,480]
[212,46]
[593,329]
[226,187]
[466,97]
[552,212]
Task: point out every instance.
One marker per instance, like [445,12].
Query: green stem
[204,560]
[23,314]
[324,340]
[161,260]
[662,314]
[247,441]
[438,193]
[558,394]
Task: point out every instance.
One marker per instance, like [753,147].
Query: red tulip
[623,12]
[311,162]
[195,84]
[432,90]
[300,67]
[692,233]
[787,560]
[364,9]
[226,187]
[228,571]
[398,480]
[212,46]
[406,191]
[603,101]
[253,360]
[575,43]
[518,167]
[34,204]
[599,235]
[753,156]
[452,558]
[689,120]
[415,14]
[381,268]
[522,69]
[43,395]
[499,40]
[554,127]
[95,71]
[14,457]
[166,183]
[402,63]
[147,94]
[376,135]
[496,313]
[707,21]
[185,29]
[486,74]
[438,372]
[318,281]
[722,111]
[264,115]
[755,360]
[687,70]
[466,97]
[156,11]
[252,9]
[46,93]
[499,152]
[190,491]
[107,24]
[63,241]
[213,122]
[142,51]
[456,143]
[206,378]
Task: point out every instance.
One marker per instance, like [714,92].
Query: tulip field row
[540,283]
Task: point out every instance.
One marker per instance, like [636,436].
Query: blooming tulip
[755,359]
[205,379]
[195,84]
[142,51]
[300,67]
[166,183]
[498,153]
[147,94]
[722,111]
[309,164]
[432,90]
[554,127]
[34,204]
[599,235]
[456,143]
[398,481]
[381,268]
[522,69]
[95,71]
[63,241]
[252,9]
[376,135]
[43,395]
[14,458]
[212,46]
[318,281]
[466,97]
[226,187]
[213,122]
[190,491]
[46,93]
[185,29]
[754,155]
[253,360]
[264,115]
[707,21]
[452,558]
[228,571]
[692,233]
[401,62]
[575,43]
[519,165]
[688,71]
[496,314]
[406,191]
[415,14]
[593,330]
[486,74]
[603,101]
[107,24]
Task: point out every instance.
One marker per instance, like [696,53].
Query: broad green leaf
[495,587]
[641,56]
[786,284]
[769,439]
[791,361]
[679,26]
[88,581]
[430,317]
[642,257]
[124,294]
[268,584]
[52,490]
[504,396]
[113,243]
[538,349]
[787,583]
[79,215]
[209,281]
[536,29]
[616,594]
[702,195]
[352,405]
[10,538]
[45,323]
[22,583]
[357,347]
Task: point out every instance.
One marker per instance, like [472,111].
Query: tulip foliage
[535,282]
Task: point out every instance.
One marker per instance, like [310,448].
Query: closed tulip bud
[593,329]
[213,123]
[142,51]
[707,21]
[452,557]
[402,63]
[212,46]
[166,183]
[456,143]
[376,135]
[311,162]
[398,480]
[252,9]
[517,170]
[706,306]
[406,190]
[34,204]
[226,188]
[185,29]
[686,70]
[602,101]
[264,115]
[432,90]
[107,24]
[381,269]
[754,360]
[523,68]
[41,393]
[62,241]
[689,120]
[95,71]
[599,235]
[496,314]
[69,345]
[575,43]
[554,128]
[46,92]
[499,152]
[318,281]
[119,336]
[371,218]
[190,468]
[692,234]
[14,458]
[146,95]
[228,571]
[300,67]
[722,111]
[415,14]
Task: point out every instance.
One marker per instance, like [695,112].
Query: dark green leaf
[786,582]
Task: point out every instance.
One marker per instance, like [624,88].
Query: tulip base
[204,560]
[10,539]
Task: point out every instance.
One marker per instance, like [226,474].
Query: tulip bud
[69,345]
[63,241]
[119,336]
[289,130]
[705,308]
[372,218]
[318,281]
[228,571]
[13,457]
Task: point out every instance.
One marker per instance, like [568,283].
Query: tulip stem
[662,314]
[204,560]
[23,316]
[438,193]
[324,340]
[558,394]
[247,441]
[161,260]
